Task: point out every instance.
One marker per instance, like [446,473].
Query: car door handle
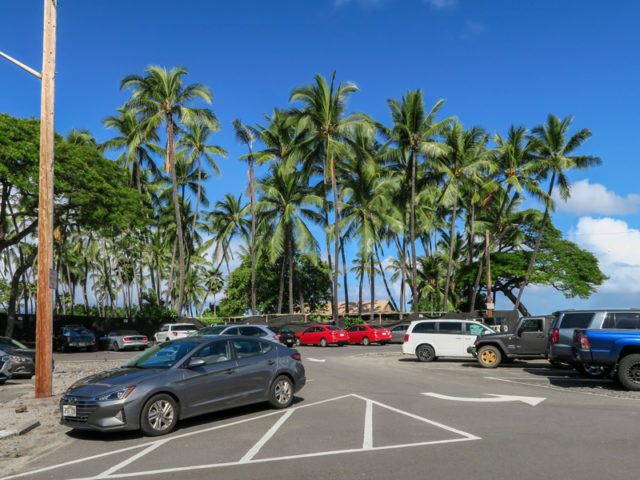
[271,361]
[229,371]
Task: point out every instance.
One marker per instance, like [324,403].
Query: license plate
[68,410]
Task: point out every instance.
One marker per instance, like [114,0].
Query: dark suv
[567,321]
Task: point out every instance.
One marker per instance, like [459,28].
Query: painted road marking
[249,457]
[315,360]
[533,401]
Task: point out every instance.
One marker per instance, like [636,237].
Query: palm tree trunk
[414,260]
[336,232]
[384,279]
[176,204]
[281,289]
[195,213]
[253,234]
[344,276]
[452,240]
[291,272]
[360,288]
[537,246]
[372,279]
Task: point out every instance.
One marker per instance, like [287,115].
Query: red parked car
[366,334]
[322,335]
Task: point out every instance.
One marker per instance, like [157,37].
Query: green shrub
[349,321]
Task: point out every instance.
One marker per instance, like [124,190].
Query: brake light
[144,339]
[296,356]
[127,339]
[583,341]
[406,338]
[175,334]
[555,337]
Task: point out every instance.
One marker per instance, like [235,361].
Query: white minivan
[429,339]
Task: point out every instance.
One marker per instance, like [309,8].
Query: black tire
[115,346]
[592,371]
[425,353]
[489,356]
[323,342]
[281,392]
[629,372]
[366,342]
[93,348]
[298,341]
[383,342]
[64,348]
[159,415]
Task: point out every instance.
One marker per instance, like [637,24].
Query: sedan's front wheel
[159,415]
[281,393]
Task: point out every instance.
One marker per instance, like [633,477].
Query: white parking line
[367,443]
[265,438]
[132,459]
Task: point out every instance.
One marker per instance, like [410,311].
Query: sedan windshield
[11,343]
[165,355]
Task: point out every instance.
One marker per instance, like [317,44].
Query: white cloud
[616,246]
[594,199]
[442,4]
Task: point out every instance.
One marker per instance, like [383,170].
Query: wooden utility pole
[490,305]
[46,274]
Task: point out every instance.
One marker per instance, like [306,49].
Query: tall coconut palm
[553,154]
[226,221]
[194,139]
[284,207]
[161,97]
[324,115]
[465,158]
[414,133]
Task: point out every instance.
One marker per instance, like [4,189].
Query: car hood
[496,336]
[22,352]
[108,380]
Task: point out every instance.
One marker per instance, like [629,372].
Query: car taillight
[175,334]
[127,339]
[583,341]
[296,356]
[555,337]
[144,339]
[276,337]
[406,337]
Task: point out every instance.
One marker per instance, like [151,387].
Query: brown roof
[379,306]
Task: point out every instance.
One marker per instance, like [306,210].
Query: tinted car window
[399,328]
[352,329]
[247,348]
[425,327]
[211,330]
[183,328]
[450,327]
[576,320]
[622,321]
[333,328]
[232,331]
[215,353]
[252,332]
[532,325]
[375,327]
[473,329]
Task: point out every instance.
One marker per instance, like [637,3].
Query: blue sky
[495,62]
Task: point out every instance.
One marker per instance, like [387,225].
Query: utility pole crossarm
[21,65]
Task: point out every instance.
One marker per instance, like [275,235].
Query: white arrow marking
[315,360]
[495,398]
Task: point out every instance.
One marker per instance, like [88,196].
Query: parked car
[210,330]
[322,335]
[398,332]
[23,358]
[430,339]
[284,336]
[173,331]
[5,367]
[245,330]
[366,334]
[567,322]
[75,336]
[613,350]
[527,341]
[123,340]
[183,378]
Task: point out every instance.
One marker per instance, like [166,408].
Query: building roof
[379,306]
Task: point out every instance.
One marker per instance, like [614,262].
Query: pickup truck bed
[616,349]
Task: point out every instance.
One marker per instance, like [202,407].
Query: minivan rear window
[576,320]
[424,327]
[182,328]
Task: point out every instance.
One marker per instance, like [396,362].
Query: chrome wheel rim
[283,392]
[160,415]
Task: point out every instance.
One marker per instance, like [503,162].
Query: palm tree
[323,115]
[465,159]
[226,221]
[553,155]
[414,135]
[195,139]
[162,98]
[283,208]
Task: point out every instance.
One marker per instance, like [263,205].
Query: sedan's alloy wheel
[281,395]
[161,415]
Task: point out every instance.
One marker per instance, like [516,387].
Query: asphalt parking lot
[369,412]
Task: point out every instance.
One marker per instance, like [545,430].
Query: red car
[322,335]
[366,334]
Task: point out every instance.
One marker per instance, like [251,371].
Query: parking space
[370,412]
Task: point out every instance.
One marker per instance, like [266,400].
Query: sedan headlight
[17,359]
[117,395]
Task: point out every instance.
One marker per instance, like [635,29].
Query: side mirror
[196,362]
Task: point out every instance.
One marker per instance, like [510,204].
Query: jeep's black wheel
[629,371]
[425,353]
[489,356]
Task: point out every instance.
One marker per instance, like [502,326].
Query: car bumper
[5,370]
[106,416]
[472,351]
[141,343]
[23,367]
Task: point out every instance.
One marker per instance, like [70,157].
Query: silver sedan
[123,340]
[181,379]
